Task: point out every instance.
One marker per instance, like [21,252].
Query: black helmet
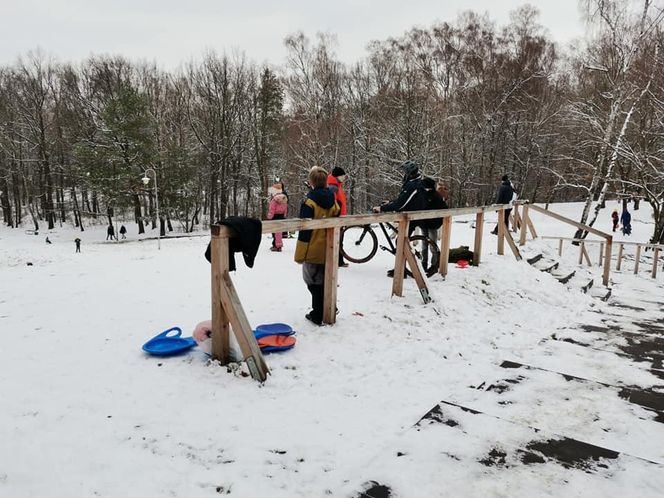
[410,169]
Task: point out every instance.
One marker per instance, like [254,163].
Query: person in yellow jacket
[310,248]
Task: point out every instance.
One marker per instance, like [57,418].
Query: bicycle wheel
[429,258]
[359,244]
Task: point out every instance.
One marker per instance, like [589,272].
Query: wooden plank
[653,274]
[331,271]
[295,224]
[513,222]
[585,254]
[570,221]
[241,328]
[417,274]
[510,242]
[637,260]
[601,252]
[607,262]
[560,247]
[400,257]
[620,255]
[581,245]
[531,227]
[220,329]
[501,232]
[479,230]
[445,246]
[524,226]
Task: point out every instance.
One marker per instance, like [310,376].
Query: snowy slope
[84,412]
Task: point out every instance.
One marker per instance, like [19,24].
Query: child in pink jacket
[277,211]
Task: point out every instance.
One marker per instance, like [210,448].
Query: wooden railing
[226,306]
[608,238]
[583,254]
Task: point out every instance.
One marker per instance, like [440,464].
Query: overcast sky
[172,31]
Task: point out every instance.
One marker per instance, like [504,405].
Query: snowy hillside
[86,413]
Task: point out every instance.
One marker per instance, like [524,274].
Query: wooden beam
[581,252]
[607,261]
[445,246]
[531,227]
[242,330]
[570,221]
[501,232]
[417,274]
[585,254]
[560,247]
[524,226]
[295,224]
[620,255]
[510,242]
[637,260]
[655,257]
[220,330]
[479,229]
[601,252]
[331,271]
[517,218]
[400,258]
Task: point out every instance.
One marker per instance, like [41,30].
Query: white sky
[173,31]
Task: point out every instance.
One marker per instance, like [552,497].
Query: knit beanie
[337,171]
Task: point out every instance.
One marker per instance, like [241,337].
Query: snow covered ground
[84,412]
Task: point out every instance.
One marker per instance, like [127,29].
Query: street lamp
[146,180]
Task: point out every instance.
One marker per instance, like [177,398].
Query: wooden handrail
[294,224]
[588,229]
[572,239]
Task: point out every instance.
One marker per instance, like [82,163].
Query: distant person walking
[626,220]
[123,232]
[78,244]
[110,232]
[615,219]
[505,196]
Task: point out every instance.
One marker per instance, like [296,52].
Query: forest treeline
[468,100]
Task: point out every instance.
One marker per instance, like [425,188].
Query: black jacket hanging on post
[247,241]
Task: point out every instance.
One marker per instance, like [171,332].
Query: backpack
[459,253]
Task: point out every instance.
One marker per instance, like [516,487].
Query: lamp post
[146,180]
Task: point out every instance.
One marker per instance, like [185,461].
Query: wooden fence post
[655,258]
[331,272]
[400,259]
[581,244]
[607,261]
[220,329]
[601,252]
[445,245]
[637,260]
[560,247]
[524,225]
[477,248]
[501,232]
[620,255]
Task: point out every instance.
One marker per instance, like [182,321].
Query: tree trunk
[137,213]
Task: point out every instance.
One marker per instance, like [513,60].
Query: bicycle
[360,243]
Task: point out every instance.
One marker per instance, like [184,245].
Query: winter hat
[337,171]
[505,178]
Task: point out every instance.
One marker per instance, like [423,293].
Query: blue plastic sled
[166,345]
[273,329]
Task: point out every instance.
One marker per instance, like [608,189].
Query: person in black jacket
[411,197]
[505,196]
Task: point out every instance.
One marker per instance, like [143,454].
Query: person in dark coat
[110,232]
[505,196]
[411,197]
[123,232]
[78,244]
[626,220]
[615,219]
